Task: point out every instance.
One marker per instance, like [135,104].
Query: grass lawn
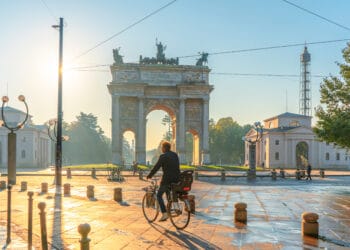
[144,167]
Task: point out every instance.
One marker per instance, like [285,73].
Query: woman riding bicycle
[169,161]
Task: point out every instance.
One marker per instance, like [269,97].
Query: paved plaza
[274,214]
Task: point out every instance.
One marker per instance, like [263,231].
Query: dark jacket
[169,161]
[308,170]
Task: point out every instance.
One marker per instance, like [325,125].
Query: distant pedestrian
[134,167]
[308,171]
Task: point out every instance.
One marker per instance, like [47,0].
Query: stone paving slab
[274,215]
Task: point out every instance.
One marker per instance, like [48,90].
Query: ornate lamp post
[11,140]
[252,150]
[52,132]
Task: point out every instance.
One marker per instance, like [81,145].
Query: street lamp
[11,139]
[58,167]
[52,133]
[252,149]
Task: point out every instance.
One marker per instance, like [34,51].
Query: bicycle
[178,205]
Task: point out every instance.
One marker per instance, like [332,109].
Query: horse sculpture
[203,59]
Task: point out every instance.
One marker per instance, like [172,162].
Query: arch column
[205,133]
[181,132]
[116,135]
[141,133]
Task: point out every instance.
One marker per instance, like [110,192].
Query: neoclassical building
[159,83]
[288,141]
[33,146]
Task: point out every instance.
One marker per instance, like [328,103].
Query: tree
[333,125]
[87,142]
[225,139]
[166,121]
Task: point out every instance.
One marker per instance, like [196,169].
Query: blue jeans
[162,189]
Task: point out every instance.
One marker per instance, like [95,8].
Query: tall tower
[305,87]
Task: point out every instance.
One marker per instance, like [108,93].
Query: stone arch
[180,90]
[302,154]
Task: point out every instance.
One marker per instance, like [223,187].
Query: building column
[205,158]
[116,137]
[294,163]
[181,132]
[141,133]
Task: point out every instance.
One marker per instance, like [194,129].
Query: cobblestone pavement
[274,215]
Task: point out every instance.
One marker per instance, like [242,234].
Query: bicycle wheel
[179,213]
[150,207]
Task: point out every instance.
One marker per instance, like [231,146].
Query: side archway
[302,154]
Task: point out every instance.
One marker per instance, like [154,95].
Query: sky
[29,52]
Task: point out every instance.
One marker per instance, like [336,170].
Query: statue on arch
[118,59]
[203,59]
[160,52]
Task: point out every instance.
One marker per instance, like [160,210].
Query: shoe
[164,217]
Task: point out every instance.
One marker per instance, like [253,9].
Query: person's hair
[166,145]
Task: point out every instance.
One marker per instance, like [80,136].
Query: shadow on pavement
[186,239]
[57,221]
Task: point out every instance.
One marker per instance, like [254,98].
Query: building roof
[288,115]
[13,110]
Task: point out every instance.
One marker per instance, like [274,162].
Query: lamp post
[58,167]
[252,150]
[11,139]
[52,133]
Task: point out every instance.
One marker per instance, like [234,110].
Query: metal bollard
[23,186]
[241,212]
[44,187]
[191,199]
[8,240]
[93,173]
[282,173]
[141,174]
[66,189]
[90,192]
[274,174]
[84,230]
[30,219]
[43,231]
[223,176]
[309,224]
[297,174]
[118,196]
[196,175]
[322,173]
[69,173]
[2,185]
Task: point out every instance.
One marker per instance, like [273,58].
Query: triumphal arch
[159,83]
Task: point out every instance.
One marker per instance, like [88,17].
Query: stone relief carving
[193,111]
[128,107]
[127,75]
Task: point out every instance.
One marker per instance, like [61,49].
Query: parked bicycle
[178,205]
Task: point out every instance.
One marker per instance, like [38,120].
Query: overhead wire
[125,29]
[268,48]
[49,10]
[317,15]
[263,75]
[232,51]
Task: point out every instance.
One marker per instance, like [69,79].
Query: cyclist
[169,162]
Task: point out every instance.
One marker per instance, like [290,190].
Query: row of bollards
[299,174]
[309,223]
